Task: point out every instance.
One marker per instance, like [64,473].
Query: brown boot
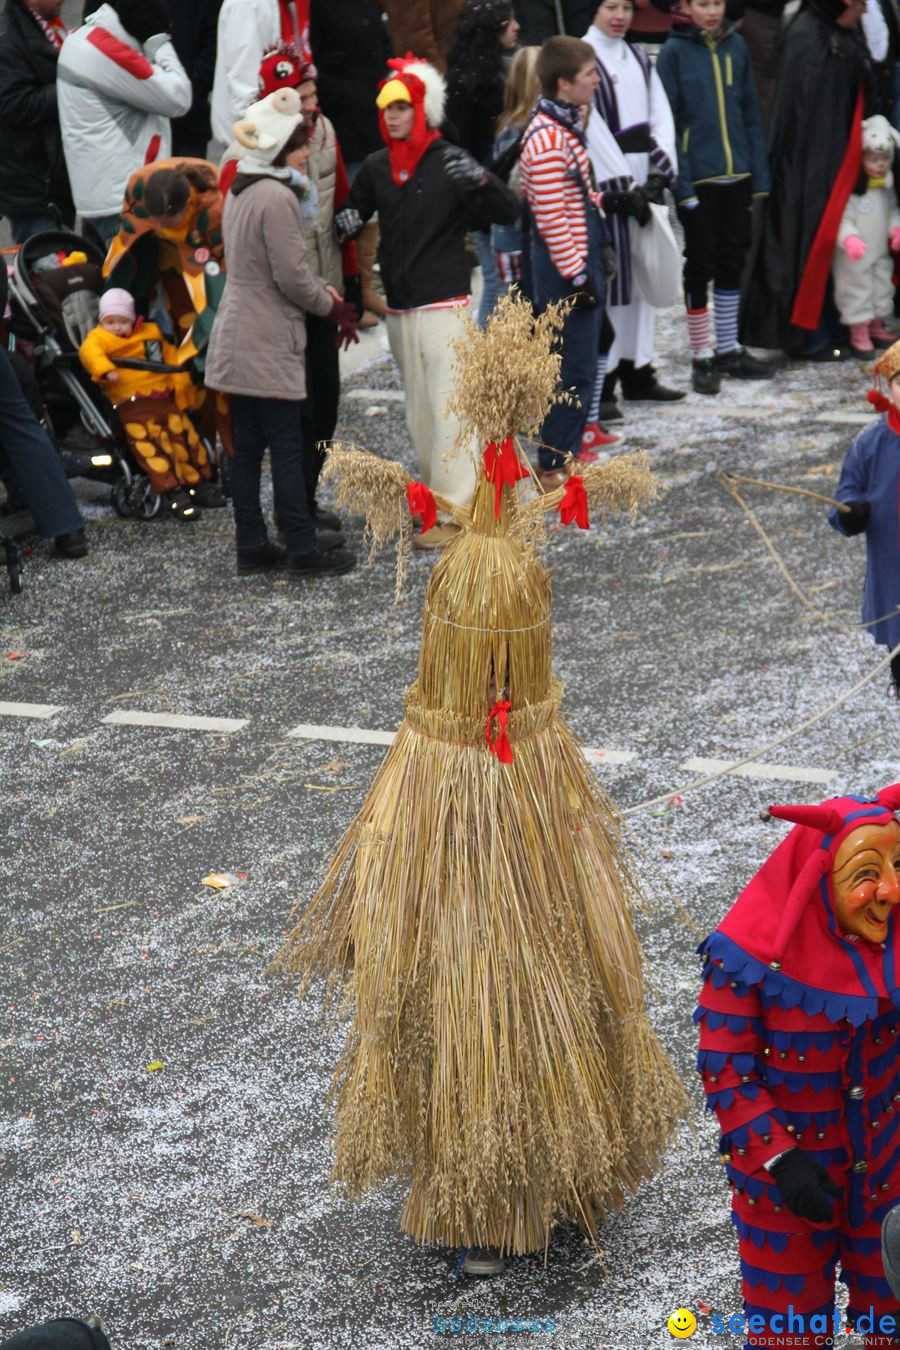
[367,250]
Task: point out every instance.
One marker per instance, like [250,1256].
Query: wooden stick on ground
[784,487]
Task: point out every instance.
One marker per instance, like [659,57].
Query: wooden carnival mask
[866,880]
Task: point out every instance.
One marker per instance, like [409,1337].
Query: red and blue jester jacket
[800,1044]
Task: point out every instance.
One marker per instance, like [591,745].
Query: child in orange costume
[151,405]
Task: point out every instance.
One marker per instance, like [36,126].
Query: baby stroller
[54,308]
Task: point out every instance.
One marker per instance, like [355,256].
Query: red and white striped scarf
[55,30]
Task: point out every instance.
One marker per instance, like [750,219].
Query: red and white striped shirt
[556,171]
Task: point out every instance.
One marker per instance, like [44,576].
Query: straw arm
[785,487]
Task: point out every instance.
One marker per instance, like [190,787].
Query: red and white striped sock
[698,332]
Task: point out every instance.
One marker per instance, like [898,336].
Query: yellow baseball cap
[392,91]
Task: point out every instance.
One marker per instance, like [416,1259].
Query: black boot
[73,544]
[325,519]
[705,378]
[609,408]
[640,385]
[264,558]
[318,563]
[740,365]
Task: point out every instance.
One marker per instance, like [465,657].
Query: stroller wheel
[119,496]
[143,502]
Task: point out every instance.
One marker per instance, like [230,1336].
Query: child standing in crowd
[567,238]
[631,142]
[151,405]
[481,49]
[863,268]
[427,195]
[707,76]
[870,485]
[511,243]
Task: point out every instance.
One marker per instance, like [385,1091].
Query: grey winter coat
[258,339]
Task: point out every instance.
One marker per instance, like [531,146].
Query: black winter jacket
[32,168]
[539,19]
[423,225]
[351,50]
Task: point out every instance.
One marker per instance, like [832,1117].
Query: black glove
[804,1186]
[462,168]
[584,292]
[344,315]
[616,202]
[347,224]
[144,19]
[353,294]
[640,206]
[856,519]
[655,189]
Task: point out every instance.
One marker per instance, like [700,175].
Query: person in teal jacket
[707,76]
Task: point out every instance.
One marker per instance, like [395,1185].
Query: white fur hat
[267,125]
[879,137]
[431,79]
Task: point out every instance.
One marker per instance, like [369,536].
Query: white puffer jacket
[247,28]
[115,99]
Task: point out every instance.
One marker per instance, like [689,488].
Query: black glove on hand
[616,202]
[347,224]
[655,189]
[144,19]
[640,206]
[856,519]
[804,1186]
[583,290]
[344,315]
[353,294]
[462,168]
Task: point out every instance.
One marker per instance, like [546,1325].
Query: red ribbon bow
[574,505]
[878,400]
[502,465]
[422,503]
[501,746]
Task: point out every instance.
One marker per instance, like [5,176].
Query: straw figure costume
[183,250]
[800,1058]
[479,908]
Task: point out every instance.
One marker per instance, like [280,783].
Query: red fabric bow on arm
[422,503]
[501,746]
[574,505]
[502,465]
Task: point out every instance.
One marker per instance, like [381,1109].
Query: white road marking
[849,419]
[352,735]
[43,710]
[594,755]
[788,773]
[382,395]
[177,721]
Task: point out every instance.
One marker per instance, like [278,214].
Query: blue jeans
[491,287]
[276,423]
[107,227]
[23,227]
[580,340]
[29,461]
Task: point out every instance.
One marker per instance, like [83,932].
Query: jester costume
[799,1023]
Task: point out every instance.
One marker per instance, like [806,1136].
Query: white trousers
[635,325]
[420,344]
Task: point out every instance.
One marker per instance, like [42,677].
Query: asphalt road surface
[190,1204]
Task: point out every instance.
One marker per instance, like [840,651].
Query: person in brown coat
[423,27]
[258,340]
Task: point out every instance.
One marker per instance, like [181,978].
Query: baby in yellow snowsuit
[151,405]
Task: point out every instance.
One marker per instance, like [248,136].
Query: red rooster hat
[416,82]
[782,933]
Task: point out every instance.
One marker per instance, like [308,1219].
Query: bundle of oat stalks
[480,913]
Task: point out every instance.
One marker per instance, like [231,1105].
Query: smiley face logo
[682,1323]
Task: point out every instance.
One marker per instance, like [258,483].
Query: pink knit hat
[118,302]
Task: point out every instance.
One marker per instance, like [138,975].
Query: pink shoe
[595,438]
[881,335]
[860,342]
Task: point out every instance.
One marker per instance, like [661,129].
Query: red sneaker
[595,438]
